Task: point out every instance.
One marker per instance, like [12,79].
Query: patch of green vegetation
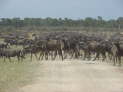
[16,74]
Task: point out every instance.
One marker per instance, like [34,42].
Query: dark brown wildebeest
[118,51]
[117,40]
[103,48]
[3,45]
[52,47]
[8,53]
[32,49]
[114,51]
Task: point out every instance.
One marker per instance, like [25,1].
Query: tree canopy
[87,22]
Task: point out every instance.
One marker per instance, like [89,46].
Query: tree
[120,22]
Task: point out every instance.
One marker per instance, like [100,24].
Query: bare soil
[76,76]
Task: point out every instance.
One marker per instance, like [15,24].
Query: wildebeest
[52,47]
[3,45]
[118,52]
[8,53]
[64,45]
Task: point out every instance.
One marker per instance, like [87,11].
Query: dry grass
[16,74]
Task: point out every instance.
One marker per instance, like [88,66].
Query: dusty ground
[76,76]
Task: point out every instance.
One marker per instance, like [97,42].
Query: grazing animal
[8,53]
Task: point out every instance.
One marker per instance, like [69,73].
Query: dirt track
[76,76]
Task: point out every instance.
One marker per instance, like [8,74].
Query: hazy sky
[75,9]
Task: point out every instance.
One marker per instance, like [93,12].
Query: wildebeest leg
[55,54]
[31,56]
[4,58]
[65,54]
[18,58]
[9,59]
[41,55]
[114,62]
[119,59]
[97,56]
[46,55]
[89,55]
[36,56]
[60,53]
[50,54]
[104,56]
[85,55]
[72,54]
[110,56]
[76,54]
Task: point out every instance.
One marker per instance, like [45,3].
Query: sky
[74,9]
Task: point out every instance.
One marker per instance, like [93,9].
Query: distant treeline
[87,22]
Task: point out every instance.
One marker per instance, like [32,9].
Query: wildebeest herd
[63,45]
